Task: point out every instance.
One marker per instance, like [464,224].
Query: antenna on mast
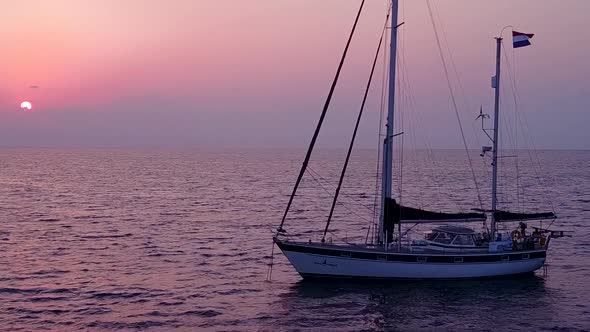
[484,116]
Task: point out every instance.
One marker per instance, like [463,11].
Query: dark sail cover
[394,213]
[510,216]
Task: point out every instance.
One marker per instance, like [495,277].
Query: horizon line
[233,148]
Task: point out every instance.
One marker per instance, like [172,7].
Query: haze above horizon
[229,74]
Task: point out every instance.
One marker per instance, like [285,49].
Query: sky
[233,74]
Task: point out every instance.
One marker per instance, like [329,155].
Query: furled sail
[395,213]
[511,216]
[401,213]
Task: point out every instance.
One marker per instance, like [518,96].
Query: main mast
[496,86]
[387,171]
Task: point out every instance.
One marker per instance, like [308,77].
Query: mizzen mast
[496,86]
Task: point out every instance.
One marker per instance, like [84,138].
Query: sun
[26,105]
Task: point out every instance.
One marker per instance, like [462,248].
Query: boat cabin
[453,236]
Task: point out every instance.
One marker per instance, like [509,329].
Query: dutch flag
[520,39]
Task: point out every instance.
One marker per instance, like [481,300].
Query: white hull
[318,265]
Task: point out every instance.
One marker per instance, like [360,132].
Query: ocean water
[181,240]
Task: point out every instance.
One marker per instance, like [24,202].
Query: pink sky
[255,73]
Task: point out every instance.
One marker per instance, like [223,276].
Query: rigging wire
[415,120]
[400,115]
[350,147]
[454,67]
[318,127]
[321,120]
[512,75]
[352,199]
[401,112]
[522,119]
[508,128]
[461,90]
[404,102]
[519,198]
[331,195]
[454,102]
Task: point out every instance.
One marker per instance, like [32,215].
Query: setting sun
[26,105]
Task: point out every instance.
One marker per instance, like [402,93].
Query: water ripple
[165,240]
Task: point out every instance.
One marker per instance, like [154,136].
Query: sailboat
[446,252]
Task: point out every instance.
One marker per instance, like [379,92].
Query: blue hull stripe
[413,258]
[337,276]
